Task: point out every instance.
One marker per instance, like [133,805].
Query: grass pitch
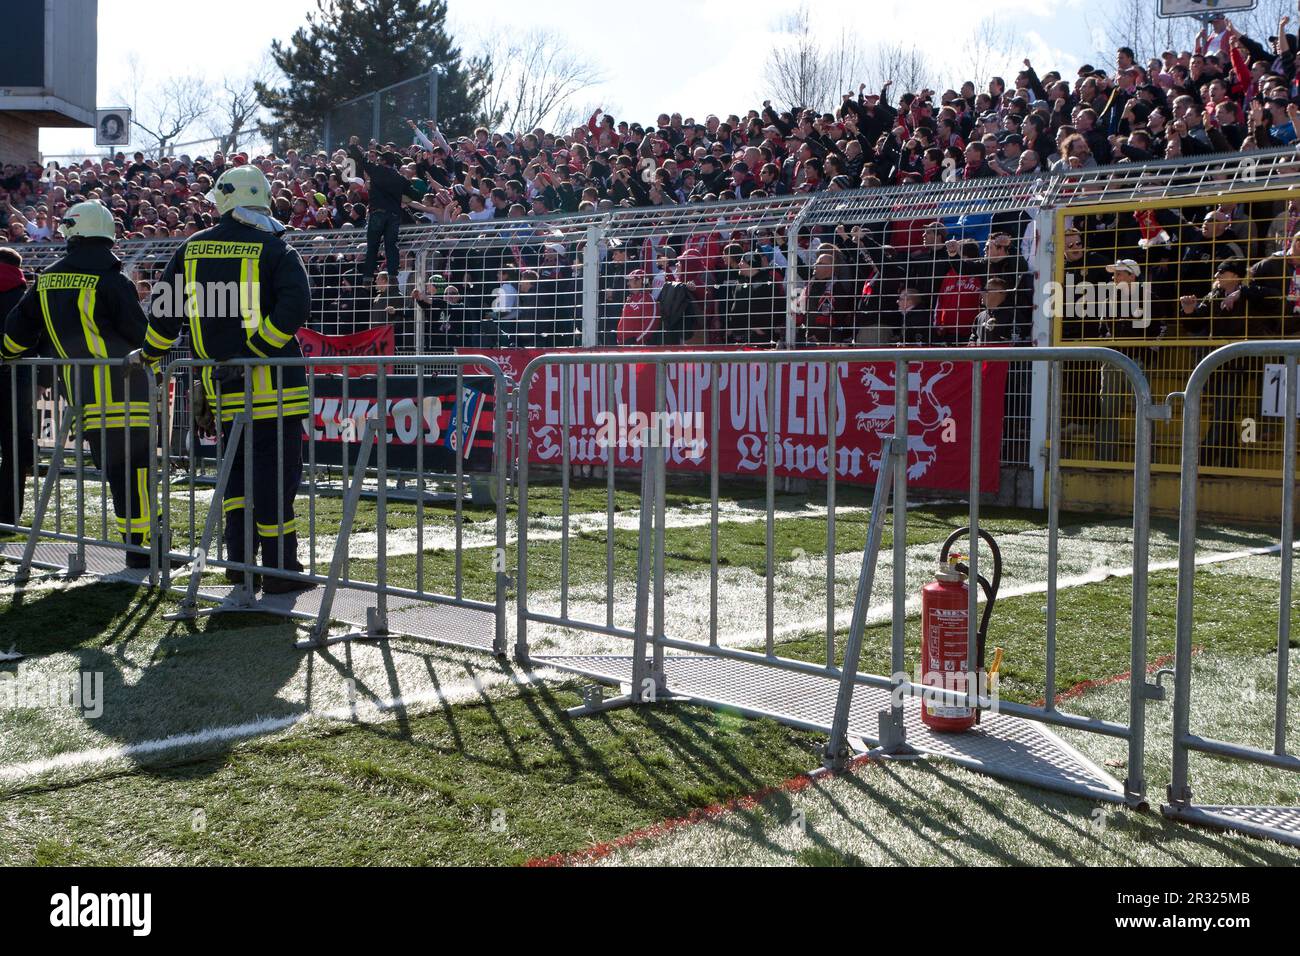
[221,744]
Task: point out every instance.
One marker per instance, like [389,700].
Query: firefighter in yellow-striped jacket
[83,307]
[245,293]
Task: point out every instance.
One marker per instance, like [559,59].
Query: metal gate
[1278,822]
[365,421]
[439,422]
[73,528]
[831,695]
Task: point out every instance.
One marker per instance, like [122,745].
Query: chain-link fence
[381,116]
[1168,280]
[936,264]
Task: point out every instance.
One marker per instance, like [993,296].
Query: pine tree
[350,48]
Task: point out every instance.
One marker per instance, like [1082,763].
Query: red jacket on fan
[640,318]
[957,303]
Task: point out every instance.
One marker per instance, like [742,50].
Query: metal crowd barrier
[451,427]
[79,442]
[1212,245]
[1278,822]
[750,675]
[395,411]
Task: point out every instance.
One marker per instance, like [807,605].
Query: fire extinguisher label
[946,667]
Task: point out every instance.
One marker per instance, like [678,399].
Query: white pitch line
[364,711]
[880,613]
[404,541]
[457,693]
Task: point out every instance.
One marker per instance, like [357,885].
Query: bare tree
[234,118]
[535,80]
[806,71]
[1132,23]
[1261,23]
[906,67]
[990,50]
[169,111]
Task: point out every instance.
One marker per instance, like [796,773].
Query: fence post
[419,279]
[591,285]
[792,275]
[1043,269]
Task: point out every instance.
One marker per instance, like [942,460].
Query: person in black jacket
[388,191]
[16,454]
[83,307]
[755,306]
[245,251]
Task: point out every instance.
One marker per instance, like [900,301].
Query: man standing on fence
[245,250]
[389,190]
[83,307]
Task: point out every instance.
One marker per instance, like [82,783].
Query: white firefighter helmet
[89,220]
[242,186]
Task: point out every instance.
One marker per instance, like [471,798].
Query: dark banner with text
[431,414]
[939,417]
[445,423]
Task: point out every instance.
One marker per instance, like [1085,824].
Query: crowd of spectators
[868,283]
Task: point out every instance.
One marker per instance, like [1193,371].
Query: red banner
[380,340]
[939,417]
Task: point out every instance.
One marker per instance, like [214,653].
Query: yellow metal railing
[1167,281]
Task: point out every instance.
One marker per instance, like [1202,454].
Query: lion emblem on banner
[924,409]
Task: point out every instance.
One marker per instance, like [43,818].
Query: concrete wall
[19,139]
[72,46]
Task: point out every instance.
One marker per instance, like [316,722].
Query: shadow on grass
[155,686]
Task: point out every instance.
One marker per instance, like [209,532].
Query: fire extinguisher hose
[990,588]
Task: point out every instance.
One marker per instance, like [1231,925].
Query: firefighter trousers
[114,451]
[277,474]
[16,452]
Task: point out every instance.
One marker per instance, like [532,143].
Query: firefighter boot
[270,561]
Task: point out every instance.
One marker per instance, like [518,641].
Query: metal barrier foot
[376,630]
[836,759]
[238,600]
[592,707]
[594,700]
[861,746]
[23,578]
[76,566]
[892,737]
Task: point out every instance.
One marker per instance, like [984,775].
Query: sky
[704,55]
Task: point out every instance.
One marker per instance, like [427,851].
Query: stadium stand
[915,282]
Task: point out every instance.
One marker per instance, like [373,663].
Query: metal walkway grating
[1274,823]
[470,628]
[101,562]
[1008,747]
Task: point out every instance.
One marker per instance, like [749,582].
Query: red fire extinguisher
[945,610]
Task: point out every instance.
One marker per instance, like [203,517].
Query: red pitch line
[654,831]
[794,785]
[1081,688]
